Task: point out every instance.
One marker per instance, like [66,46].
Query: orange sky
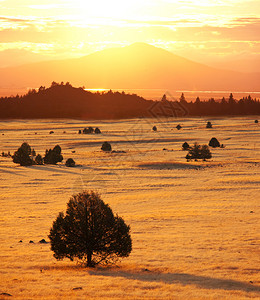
[207,31]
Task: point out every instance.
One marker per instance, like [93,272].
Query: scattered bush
[39,159]
[88,130]
[70,163]
[6,154]
[209,125]
[199,152]
[79,131]
[89,232]
[179,127]
[106,147]
[256,121]
[53,156]
[185,146]
[51,132]
[97,131]
[23,155]
[154,128]
[214,143]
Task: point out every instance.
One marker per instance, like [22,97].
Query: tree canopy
[90,232]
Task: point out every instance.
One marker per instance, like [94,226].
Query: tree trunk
[89,259]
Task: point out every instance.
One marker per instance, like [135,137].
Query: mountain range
[132,67]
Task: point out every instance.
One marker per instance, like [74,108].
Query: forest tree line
[64,101]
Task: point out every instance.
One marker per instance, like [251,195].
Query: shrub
[185,146]
[79,131]
[199,152]
[154,128]
[179,127]
[39,159]
[23,155]
[256,121]
[214,143]
[88,130]
[70,163]
[209,125]
[6,154]
[97,131]
[89,232]
[53,156]
[106,147]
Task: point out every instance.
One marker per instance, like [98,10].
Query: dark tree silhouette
[23,155]
[179,127]
[97,131]
[70,162]
[183,99]
[64,101]
[39,159]
[154,128]
[53,156]
[185,146]
[209,125]
[198,152]
[214,143]
[106,147]
[90,232]
[88,130]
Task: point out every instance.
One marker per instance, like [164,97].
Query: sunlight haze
[44,30]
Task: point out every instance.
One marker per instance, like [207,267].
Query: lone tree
[23,155]
[89,232]
[199,152]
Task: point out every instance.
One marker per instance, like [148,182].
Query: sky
[204,30]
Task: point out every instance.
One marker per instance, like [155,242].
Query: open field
[195,225]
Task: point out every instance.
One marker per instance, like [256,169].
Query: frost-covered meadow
[195,226]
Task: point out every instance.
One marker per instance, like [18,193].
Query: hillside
[65,101]
[135,66]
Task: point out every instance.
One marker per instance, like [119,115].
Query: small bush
[214,143]
[199,152]
[209,125]
[97,131]
[154,128]
[106,147]
[39,159]
[256,121]
[185,146]
[89,232]
[70,163]
[23,155]
[88,130]
[179,127]
[53,156]
[6,154]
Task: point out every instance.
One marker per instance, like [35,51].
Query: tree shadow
[3,170]
[203,282]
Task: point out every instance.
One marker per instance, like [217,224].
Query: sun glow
[114,9]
